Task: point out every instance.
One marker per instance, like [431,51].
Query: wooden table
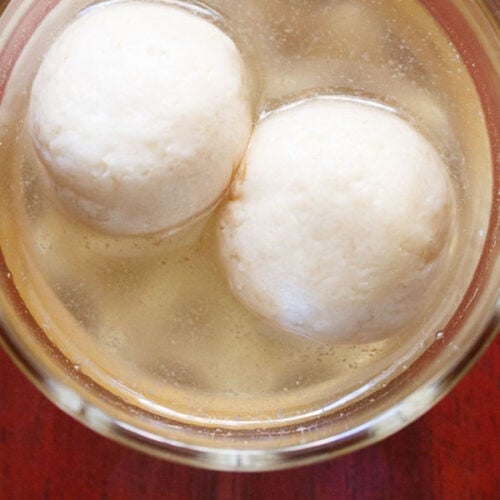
[450,453]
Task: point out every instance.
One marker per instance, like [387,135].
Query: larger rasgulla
[338,224]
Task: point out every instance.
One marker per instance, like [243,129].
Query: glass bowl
[368,413]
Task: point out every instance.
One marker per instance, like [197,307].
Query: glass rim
[376,429]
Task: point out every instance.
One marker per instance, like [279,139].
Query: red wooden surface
[450,453]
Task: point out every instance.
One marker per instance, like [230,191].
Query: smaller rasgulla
[339,221]
[140,113]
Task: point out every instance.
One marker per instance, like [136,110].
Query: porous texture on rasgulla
[338,223]
[140,113]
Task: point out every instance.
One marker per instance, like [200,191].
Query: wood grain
[450,453]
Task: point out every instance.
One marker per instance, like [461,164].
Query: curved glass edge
[243,460]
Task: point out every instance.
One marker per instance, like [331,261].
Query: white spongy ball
[140,113]
[338,223]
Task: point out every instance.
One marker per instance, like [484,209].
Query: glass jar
[368,412]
